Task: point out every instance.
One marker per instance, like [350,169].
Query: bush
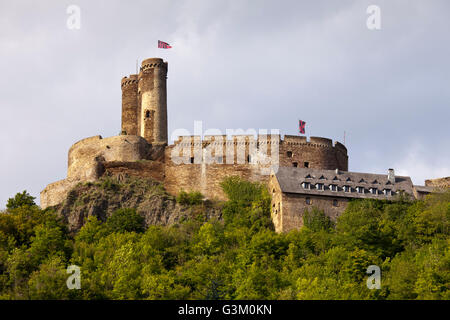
[125,220]
[189,198]
[19,200]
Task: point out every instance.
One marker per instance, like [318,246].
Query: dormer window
[348,180]
[319,186]
[373,190]
[360,189]
[322,178]
[347,189]
[306,185]
[387,192]
[308,177]
[333,187]
[361,181]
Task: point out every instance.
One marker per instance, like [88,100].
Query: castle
[298,171]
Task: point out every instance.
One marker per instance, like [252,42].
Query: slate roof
[291,179]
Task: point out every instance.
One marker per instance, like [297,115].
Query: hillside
[231,254]
[101,198]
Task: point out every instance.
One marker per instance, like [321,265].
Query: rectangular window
[306,164]
[305,185]
[374,191]
[333,187]
[319,186]
[308,201]
[295,164]
[347,189]
[335,203]
[192,159]
[289,154]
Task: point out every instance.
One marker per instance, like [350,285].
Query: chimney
[391,175]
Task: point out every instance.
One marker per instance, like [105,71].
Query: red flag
[163,45]
[301,126]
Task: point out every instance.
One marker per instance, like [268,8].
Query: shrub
[125,220]
[189,198]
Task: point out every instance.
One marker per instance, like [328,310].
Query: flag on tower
[163,45]
[301,126]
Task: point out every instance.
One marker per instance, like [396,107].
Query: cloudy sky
[234,64]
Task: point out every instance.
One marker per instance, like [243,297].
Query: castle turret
[130,104]
[152,96]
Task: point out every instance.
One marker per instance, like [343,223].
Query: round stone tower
[152,97]
[130,105]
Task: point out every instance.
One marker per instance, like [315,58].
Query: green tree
[125,220]
[20,200]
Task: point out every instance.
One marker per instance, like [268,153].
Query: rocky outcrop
[101,198]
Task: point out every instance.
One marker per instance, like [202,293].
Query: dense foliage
[239,257]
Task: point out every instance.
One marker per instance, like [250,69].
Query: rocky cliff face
[101,198]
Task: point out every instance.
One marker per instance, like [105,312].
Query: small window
[220,159]
[374,190]
[192,159]
[249,158]
[295,164]
[347,189]
[306,185]
[335,203]
[289,154]
[306,164]
[322,178]
[319,186]
[360,189]
[388,192]
[333,187]
[308,201]
[147,114]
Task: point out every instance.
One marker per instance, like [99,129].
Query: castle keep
[292,167]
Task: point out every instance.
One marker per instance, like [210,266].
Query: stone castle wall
[203,163]
[438,183]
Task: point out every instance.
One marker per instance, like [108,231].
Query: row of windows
[349,189]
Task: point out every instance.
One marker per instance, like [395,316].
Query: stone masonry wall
[294,205]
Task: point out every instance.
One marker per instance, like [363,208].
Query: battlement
[153,63]
[261,139]
[224,139]
[126,81]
